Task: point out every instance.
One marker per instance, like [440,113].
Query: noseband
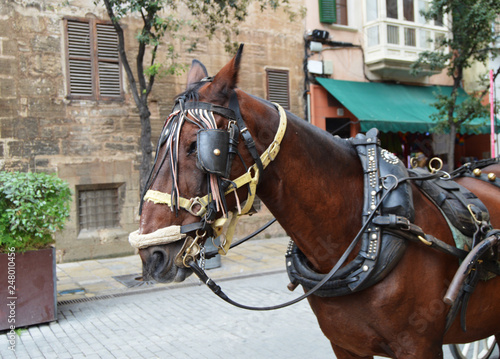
[216,149]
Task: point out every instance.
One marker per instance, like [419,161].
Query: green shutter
[327,11]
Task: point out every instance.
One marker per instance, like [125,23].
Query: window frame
[274,70]
[341,8]
[98,187]
[94,62]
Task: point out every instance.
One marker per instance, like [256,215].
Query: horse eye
[192,148]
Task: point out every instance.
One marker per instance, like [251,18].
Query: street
[182,322]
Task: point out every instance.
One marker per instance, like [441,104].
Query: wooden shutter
[108,61]
[93,60]
[327,11]
[277,87]
[80,59]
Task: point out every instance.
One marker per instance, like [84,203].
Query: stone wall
[96,142]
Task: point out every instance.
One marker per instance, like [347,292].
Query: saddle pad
[453,200]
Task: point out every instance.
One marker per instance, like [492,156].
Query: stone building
[65,105]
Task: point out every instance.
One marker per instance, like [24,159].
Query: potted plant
[32,207]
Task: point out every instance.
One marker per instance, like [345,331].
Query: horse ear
[197,71]
[227,78]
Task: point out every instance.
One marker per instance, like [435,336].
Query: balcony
[392,45]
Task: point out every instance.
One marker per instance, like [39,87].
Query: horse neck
[314,188]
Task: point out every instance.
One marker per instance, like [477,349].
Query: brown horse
[314,188]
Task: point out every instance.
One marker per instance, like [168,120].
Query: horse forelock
[192,93]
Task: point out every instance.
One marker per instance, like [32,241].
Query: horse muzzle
[159,264]
[164,256]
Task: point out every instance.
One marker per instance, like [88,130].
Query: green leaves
[32,207]
[472,34]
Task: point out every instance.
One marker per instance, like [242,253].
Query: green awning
[393,108]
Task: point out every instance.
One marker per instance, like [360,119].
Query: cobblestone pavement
[100,277]
[186,322]
[180,322]
[100,317]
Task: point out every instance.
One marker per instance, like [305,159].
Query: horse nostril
[158,261]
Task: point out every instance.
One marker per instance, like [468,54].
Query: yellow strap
[273,149]
[218,227]
[189,205]
[229,234]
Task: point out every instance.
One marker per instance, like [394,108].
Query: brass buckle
[192,250]
[196,202]
[272,147]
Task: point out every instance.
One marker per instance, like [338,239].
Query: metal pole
[492,114]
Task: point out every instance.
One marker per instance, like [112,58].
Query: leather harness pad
[212,151]
[380,251]
[453,200]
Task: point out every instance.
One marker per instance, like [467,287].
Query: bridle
[216,149]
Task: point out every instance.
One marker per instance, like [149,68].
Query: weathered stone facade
[91,143]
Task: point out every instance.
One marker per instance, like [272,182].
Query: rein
[402,228]
[200,273]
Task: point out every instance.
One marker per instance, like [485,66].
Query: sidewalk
[104,277]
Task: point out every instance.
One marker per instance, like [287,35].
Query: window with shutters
[278,87]
[93,63]
[333,12]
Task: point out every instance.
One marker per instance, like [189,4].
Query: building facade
[66,108]
[358,56]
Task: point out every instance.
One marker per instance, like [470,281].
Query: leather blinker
[212,151]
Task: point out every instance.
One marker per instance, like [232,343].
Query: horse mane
[192,93]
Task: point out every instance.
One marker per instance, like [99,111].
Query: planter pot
[27,288]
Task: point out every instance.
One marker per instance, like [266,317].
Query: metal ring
[387,176]
[425,241]
[198,235]
[436,169]
[445,175]
[222,243]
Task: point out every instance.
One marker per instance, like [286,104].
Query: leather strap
[372,189]
[199,105]
[247,137]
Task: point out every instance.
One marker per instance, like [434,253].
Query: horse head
[195,183]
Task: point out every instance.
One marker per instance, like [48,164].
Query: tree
[161,25]
[472,38]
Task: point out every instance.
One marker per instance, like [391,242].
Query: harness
[385,238]
[380,250]
[216,149]
[387,212]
